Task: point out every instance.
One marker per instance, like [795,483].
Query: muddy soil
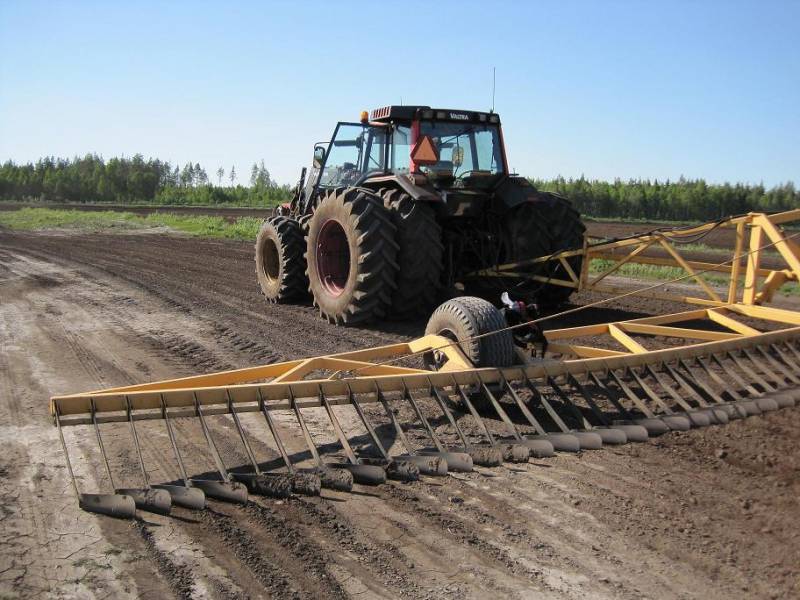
[708,513]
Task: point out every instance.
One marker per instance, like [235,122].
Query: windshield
[466,151]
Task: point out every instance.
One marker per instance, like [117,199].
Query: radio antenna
[494,73]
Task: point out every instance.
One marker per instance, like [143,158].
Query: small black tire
[419,237]
[351,256]
[280,264]
[466,317]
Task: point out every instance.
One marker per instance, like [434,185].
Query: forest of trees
[134,180]
[92,179]
[681,200]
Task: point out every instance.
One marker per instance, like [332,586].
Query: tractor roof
[407,113]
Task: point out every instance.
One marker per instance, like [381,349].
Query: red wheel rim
[333,258]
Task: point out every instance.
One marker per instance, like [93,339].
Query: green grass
[36,219]
[664,273]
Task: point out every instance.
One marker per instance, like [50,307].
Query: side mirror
[319,156]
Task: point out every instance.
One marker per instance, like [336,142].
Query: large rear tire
[466,317]
[419,238]
[280,266]
[351,255]
[542,227]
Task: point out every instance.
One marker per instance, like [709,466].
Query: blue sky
[606,89]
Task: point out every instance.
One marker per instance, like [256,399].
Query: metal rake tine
[366,474]
[735,376]
[471,408]
[274,431]
[227,490]
[726,388]
[702,388]
[751,373]
[498,409]
[135,437]
[612,396]
[779,366]
[66,453]
[787,361]
[173,441]
[113,505]
[524,409]
[248,450]
[153,500]
[686,385]
[397,428]
[186,496]
[223,472]
[664,385]
[425,463]
[370,429]
[456,461]
[540,397]
[306,433]
[577,414]
[431,433]
[100,443]
[651,393]
[434,393]
[337,428]
[598,414]
[774,379]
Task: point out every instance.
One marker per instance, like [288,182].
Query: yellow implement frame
[749,283]
[365,371]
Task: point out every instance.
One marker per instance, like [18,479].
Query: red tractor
[405,208]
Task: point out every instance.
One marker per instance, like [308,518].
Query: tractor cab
[437,148]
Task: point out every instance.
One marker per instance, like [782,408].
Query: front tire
[351,255]
[280,266]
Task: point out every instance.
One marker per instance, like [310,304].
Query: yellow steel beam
[688,268]
[618,265]
[777,238]
[771,285]
[736,266]
[768,313]
[753,260]
[718,317]
[623,338]
[677,332]
[582,351]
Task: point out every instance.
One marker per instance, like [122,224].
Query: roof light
[440,114]
[494,119]
[482,117]
[364,116]
[427,114]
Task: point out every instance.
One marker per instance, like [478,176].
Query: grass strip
[35,219]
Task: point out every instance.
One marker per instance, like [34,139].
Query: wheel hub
[333,258]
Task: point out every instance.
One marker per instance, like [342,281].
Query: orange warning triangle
[424,152]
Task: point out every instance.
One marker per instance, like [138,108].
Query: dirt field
[709,513]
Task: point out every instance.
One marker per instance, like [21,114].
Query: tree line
[681,200]
[91,179]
